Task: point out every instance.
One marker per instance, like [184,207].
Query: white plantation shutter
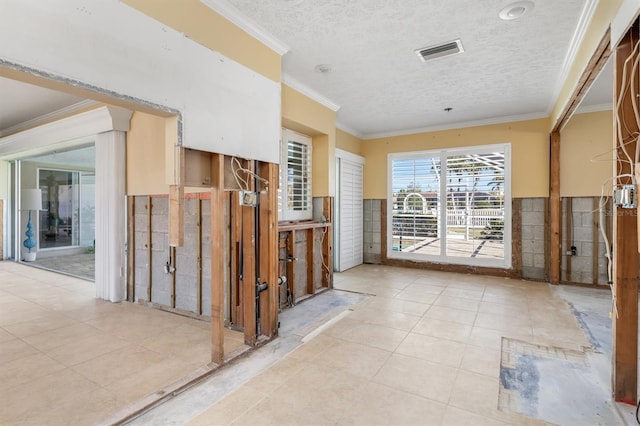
[294,195]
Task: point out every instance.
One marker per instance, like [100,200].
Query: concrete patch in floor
[543,382]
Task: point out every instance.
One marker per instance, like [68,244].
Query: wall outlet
[248,198]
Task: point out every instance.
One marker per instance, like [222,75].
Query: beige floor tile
[457,417]
[86,348]
[274,377]
[457,303]
[423,287]
[14,349]
[117,365]
[5,335]
[27,368]
[150,380]
[450,314]
[373,335]
[273,411]
[443,329]
[228,409]
[354,358]
[314,347]
[463,293]
[334,388]
[36,398]
[481,360]
[391,319]
[42,323]
[377,404]
[417,376]
[487,338]
[418,296]
[512,323]
[503,308]
[397,305]
[61,337]
[26,312]
[432,349]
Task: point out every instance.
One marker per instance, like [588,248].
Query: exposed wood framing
[569,237]
[249,240]
[235,297]
[516,235]
[547,230]
[217,260]
[172,255]
[176,215]
[291,264]
[595,248]
[131,247]
[555,258]
[149,207]
[590,73]
[626,263]
[199,254]
[327,244]
[311,245]
[383,231]
[1,229]
[269,250]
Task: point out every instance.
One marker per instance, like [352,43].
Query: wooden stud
[595,241]
[516,235]
[269,250]
[249,269]
[172,251]
[199,254]
[291,264]
[131,247]
[217,259]
[237,317]
[383,231]
[149,249]
[327,245]
[569,237]
[626,263]
[556,210]
[176,215]
[547,230]
[311,244]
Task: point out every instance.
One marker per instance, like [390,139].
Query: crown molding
[228,11]
[46,118]
[309,92]
[578,36]
[459,125]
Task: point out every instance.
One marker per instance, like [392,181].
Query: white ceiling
[509,68]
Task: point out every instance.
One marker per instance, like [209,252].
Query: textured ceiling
[509,68]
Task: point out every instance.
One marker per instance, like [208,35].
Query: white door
[350,219]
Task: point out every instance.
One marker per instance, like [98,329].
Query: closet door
[350,213]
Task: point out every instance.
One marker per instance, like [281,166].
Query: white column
[110,216]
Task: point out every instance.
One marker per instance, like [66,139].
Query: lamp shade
[31,199]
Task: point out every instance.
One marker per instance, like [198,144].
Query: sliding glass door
[59,217]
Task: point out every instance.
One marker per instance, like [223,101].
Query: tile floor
[68,358]
[424,350]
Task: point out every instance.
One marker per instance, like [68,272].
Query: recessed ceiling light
[323,68]
[515,10]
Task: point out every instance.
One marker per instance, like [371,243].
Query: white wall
[225,107]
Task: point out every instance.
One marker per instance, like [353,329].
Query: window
[451,206]
[294,195]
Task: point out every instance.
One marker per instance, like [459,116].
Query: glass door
[59,217]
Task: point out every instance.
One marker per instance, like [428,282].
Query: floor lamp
[30,199]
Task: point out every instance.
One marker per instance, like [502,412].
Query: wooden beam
[235,297]
[172,251]
[249,240]
[291,264]
[595,255]
[311,245]
[269,250]
[625,230]
[516,235]
[569,237]
[327,244]
[217,258]
[131,247]
[149,249]
[199,255]
[176,215]
[590,73]
[556,209]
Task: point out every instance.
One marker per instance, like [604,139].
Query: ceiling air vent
[439,50]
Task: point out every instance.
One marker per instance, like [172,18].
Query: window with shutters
[451,206]
[294,196]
